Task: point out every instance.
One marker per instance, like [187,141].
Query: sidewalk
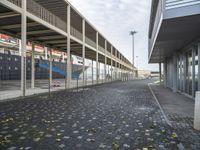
[180,112]
[174,103]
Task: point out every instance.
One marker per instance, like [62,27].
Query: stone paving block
[112,116]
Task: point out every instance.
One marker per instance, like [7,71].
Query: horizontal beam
[38,32]
[13,26]
[51,37]
[57,41]
[8,14]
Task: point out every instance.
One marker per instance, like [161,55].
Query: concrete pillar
[50,69]
[160,73]
[23,47]
[45,53]
[175,73]
[63,58]
[69,70]
[20,47]
[184,72]
[97,58]
[181,72]
[92,72]
[193,72]
[198,66]
[83,50]
[105,69]
[33,67]
[197,111]
[165,73]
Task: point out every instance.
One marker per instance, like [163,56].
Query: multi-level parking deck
[56,24]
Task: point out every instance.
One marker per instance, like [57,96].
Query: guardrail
[76,33]
[108,53]
[16,2]
[41,12]
[101,49]
[90,42]
[171,4]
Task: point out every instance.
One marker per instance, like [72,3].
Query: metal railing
[16,2]
[41,12]
[171,4]
[90,42]
[101,49]
[159,13]
[76,33]
[108,53]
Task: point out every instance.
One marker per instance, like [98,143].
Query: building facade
[174,40]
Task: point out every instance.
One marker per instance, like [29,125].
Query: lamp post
[132,33]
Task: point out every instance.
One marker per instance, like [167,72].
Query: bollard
[197,111]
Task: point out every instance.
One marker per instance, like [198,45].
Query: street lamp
[132,33]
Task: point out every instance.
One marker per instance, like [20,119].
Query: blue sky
[115,18]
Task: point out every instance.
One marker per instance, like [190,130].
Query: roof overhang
[174,35]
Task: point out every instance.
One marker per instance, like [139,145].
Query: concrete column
[23,47]
[20,47]
[92,72]
[69,70]
[165,73]
[197,112]
[63,59]
[160,73]
[181,72]
[83,50]
[97,58]
[105,69]
[184,72]
[193,72]
[33,66]
[111,69]
[175,73]
[199,66]
[50,67]
[46,53]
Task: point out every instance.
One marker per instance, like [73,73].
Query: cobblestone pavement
[179,110]
[121,115]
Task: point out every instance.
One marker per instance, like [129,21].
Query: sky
[115,19]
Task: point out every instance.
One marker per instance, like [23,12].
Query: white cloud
[115,18]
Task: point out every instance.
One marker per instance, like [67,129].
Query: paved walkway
[180,112]
[118,116]
[174,103]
